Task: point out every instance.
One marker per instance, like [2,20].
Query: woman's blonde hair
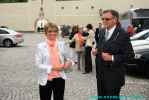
[50,27]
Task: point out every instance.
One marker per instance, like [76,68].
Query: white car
[9,38]
[140,42]
[140,46]
[141,35]
[141,60]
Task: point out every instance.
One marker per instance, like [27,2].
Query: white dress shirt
[110,32]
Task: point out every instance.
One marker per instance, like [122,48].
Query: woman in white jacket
[52,60]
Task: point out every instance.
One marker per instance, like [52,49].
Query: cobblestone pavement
[18,79]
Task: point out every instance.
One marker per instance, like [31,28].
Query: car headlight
[138,56]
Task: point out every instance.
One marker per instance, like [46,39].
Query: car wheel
[7,43]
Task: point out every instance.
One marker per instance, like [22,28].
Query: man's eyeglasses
[106,19]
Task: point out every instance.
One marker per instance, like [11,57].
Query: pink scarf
[55,59]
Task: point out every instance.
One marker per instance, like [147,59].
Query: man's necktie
[106,35]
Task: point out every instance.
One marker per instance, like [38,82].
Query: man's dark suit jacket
[97,34]
[112,73]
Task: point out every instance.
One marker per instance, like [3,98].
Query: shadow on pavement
[137,74]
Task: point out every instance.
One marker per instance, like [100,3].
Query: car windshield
[8,30]
[147,38]
[140,34]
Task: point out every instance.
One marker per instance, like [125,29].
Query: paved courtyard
[18,79]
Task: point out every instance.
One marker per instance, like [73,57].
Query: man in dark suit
[112,51]
[97,32]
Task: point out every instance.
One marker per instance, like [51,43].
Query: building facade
[22,16]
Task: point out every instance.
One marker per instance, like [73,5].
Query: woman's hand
[57,68]
[67,64]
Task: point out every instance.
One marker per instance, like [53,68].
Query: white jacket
[43,63]
[90,38]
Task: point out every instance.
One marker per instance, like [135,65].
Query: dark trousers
[107,94]
[79,58]
[57,86]
[88,59]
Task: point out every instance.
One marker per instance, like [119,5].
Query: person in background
[138,28]
[112,51]
[40,22]
[79,41]
[97,31]
[88,47]
[130,30]
[52,60]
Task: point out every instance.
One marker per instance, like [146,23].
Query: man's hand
[106,56]
[94,51]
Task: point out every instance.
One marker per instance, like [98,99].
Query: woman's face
[51,35]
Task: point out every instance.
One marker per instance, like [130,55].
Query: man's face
[108,20]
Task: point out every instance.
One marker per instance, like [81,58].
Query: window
[3,32]
[12,1]
[62,8]
[92,7]
[144,22]
[144,36]
[142,12]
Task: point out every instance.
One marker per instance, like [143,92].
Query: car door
[3,35]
